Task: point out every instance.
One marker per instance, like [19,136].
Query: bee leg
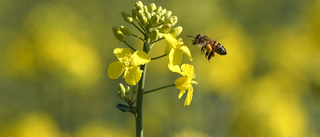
[207,55]
[210,55]
[202,50]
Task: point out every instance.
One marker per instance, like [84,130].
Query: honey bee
[208,46]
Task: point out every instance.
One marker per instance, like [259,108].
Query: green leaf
[125,108]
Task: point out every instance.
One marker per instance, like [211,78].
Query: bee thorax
[201,44]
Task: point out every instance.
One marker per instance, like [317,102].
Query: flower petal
[193,82]
[115,69]
[188,70]
[174,68]
[121,52]
[181,93]
[132,75]
[182,83]
[175,57]
[170,39]
[189,96]
[140,58]
[186,51]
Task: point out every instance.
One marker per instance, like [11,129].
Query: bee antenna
[191,36]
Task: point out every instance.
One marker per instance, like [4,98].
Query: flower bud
[126,17]
[152,13]
[145,9]
[165,28]
[159,9]
[122,89]
[127,91]
[167,14]
[176,31]
[155,20]
[118,34]
[134,13]
[163,11]
[140,14]
[148,15]
[142,18]
[140,8]
[174,20]
[144,21]
[125,31]
[152,7]
[154,35]
[169,20]
[139,5]
[161,19]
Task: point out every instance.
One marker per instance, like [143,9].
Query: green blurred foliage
[54,57]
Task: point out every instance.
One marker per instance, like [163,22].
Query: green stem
[152,90]
[156,25]
[137,37]
[159,57]
[129,46]
[139,122]
[137,27]
[143,68]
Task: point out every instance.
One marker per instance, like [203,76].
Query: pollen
[127,60]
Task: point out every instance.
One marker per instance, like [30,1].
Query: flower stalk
[143,68]
[163,87]
[155,24]
[125,42]
[159,57]
[139,121]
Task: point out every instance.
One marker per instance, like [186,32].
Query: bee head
[196,39]
[198,36]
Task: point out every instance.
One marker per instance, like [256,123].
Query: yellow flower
[129,63]
[185,82]
[175,48]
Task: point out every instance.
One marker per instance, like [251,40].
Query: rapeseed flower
[129,64]
[176,48]
[185,82]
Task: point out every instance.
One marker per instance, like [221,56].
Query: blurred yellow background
[54,57]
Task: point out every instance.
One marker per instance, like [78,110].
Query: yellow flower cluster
[175,48]
[155,23]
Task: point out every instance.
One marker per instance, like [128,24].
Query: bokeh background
[54,57]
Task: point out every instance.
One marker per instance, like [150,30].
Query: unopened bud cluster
[124,93]
[153,20]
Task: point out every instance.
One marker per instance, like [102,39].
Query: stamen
[127,60]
